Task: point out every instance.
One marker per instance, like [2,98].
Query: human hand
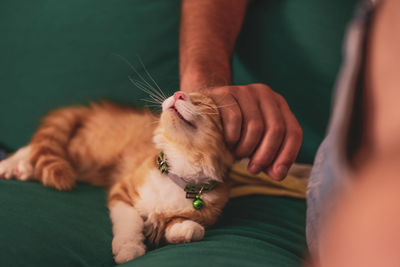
[258,124]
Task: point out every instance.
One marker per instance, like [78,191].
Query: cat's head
[190,125]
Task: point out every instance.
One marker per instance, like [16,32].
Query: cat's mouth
[173,108]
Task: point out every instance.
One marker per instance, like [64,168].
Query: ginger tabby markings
[117,147]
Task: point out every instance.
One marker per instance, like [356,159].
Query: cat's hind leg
[127,229]
[18,165]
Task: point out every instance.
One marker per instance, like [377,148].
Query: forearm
[208,32]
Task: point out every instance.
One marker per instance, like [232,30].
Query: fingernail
[282,171]
[254,168]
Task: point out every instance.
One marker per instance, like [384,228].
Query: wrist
[198,77]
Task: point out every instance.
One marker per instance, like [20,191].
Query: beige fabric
[294,185]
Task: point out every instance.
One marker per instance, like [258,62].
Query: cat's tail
[49,156]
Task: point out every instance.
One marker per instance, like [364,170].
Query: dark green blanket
[44,227]
[57,53]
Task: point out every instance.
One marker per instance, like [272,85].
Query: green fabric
[40,226]
[263,231]
[57,53]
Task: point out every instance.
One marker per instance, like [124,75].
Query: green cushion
[43,227]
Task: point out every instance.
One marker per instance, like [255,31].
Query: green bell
[198,203]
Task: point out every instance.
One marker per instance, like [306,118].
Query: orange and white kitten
[118,147]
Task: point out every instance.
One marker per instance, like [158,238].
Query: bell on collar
[198,203]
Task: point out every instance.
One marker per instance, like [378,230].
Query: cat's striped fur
[116,147]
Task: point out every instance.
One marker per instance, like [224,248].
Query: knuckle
[260,86]
[265,91]
[280,98]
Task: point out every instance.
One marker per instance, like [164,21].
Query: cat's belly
[160,195]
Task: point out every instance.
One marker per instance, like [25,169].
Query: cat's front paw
[184,232]
[125,250]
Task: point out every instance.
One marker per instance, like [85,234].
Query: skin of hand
[259,125]
[257,121]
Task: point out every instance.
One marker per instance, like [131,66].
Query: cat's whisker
[187,110]
[148,74]
[156,103]
[143,88]
[151,102]
[140,76]
[154,122]
[145,83]
[204,114]
[211,109]
[152,89]
[146,90]
[227,105]
[153,108]
[208,113]
[157,100]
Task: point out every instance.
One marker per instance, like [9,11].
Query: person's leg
[364,229]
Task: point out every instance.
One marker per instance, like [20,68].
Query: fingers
[252,127]
[258,123]
[275,131]
[282,139]
[290,147]
[231,116]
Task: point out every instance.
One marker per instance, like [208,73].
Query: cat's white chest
[161,195]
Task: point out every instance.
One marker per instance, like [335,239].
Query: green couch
[57,53]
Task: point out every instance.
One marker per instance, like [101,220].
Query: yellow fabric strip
[294,185]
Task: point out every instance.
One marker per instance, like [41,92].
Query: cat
[165,174]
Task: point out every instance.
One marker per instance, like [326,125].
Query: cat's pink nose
[179,95]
